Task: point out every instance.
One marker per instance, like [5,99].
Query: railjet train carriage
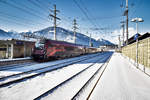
[51,49]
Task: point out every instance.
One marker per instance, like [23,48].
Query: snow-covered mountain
[104,42]
[67,35]
[62,34]
[4,35]
[10,35]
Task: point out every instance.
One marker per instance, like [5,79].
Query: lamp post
[137,20]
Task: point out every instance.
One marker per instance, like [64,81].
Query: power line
[14,22]
[88,12]
[84,12]
[12,16]
[66,20]
[42,3]
[24,10]
[27,7]
[18,23]
[139,3]
[102,18]
[37,5]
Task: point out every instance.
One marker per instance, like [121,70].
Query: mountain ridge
[62,34]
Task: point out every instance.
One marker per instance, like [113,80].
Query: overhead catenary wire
[14,22]
[84,12]
[19,18]
[27,7]
[16,19]
[42,3]
[88,12]
[22,9]
[102,18]
[37,5]
[139,4]
[66,20]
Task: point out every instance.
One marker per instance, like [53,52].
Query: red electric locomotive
[49,49]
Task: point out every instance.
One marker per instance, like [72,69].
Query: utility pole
[119,45]
[90,42]
[74,29]
[123,32]
[126,13]
[55,19]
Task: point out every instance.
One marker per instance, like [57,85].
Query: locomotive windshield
[39,44]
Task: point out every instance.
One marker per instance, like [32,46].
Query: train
[47,49]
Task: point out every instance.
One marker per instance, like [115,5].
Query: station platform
[4,62]
[15,59]
[122,81]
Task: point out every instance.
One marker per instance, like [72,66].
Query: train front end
[39,50]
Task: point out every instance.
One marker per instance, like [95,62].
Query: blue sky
[25,15]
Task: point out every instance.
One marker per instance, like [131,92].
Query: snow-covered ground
[122,81]
[41,65]
[68,90]
[140,66]
[30,89]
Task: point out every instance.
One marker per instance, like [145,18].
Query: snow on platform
[15,59]
[122,81]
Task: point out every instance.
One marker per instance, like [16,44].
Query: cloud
[115,34]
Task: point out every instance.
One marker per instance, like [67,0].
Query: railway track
[20,65]
[26,62]
[52,90]
[75,97]
[14,66]
[20,77]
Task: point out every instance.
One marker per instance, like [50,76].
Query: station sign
[19,42]
[136,36]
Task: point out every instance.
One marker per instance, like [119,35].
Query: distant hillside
[62,34]
[9,35]
[66,35]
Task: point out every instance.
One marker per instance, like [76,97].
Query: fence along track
[143,52]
